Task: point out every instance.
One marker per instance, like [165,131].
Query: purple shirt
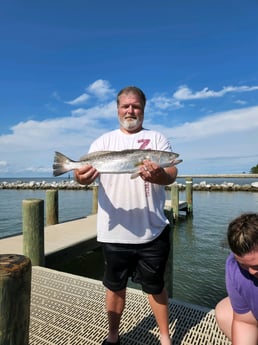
[242,288]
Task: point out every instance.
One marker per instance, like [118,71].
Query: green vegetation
[254,170]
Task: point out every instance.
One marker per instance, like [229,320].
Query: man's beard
[130,124]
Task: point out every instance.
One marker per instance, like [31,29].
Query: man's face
[249,262]
[130,113]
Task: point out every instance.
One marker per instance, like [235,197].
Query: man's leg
[115,303]
[159,306]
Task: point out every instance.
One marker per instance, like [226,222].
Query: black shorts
[144,263]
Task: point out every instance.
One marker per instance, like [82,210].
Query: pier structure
[59,308]
[69,309]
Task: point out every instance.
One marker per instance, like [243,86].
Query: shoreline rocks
[69,185]
[73,185]
[223,187]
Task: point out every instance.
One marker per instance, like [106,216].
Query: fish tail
[61,164]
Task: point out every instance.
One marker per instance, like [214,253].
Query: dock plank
[57,237]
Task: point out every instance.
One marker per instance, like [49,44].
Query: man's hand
[86,174]
[152,172]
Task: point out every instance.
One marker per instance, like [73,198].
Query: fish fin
[138,164]
[177,161]
[174,162]
[60,164]
[135,175]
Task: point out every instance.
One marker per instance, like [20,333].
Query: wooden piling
[15,292]
[33,230]
[51,207]
[189,194]
[175,200]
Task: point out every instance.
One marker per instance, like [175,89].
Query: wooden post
[33,230]
[189,194]
[169,214]
[15,292]
[94,199]
[175,200]
[51,207]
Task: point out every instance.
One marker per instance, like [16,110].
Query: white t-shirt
[129,210]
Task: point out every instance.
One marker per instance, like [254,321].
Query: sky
[62,62]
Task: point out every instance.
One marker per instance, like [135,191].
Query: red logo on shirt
[144,143]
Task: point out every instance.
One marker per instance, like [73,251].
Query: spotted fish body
[115,162]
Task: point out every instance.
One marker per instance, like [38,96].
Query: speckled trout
[115,162]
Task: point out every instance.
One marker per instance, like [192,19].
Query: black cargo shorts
[144,263]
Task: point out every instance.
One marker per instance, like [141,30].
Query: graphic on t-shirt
[144,143]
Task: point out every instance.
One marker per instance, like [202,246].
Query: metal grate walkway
[69,310]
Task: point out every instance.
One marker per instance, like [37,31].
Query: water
[72,205]
[199,243]
[200,248]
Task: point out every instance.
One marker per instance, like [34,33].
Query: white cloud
[3,166]
[3,163]
[239,101]
[184,93]
[163,103]
[101,89]
[82,99]
[38,170]
[107,110]
[238,120]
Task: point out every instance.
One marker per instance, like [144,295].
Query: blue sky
[63,61]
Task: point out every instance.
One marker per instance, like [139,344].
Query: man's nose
[130,109]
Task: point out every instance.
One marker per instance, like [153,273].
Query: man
[131,223]
[237,314]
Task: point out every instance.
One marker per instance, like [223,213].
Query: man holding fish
[131,224]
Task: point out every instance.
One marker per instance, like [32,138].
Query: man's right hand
[86,174]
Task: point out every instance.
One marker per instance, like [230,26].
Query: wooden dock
[59,238]
[69,310]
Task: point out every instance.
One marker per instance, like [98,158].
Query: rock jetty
[69,185]
[73,185]
[223,187]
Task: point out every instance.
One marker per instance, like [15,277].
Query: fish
[115,162]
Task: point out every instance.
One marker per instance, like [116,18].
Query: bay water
[199,242]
